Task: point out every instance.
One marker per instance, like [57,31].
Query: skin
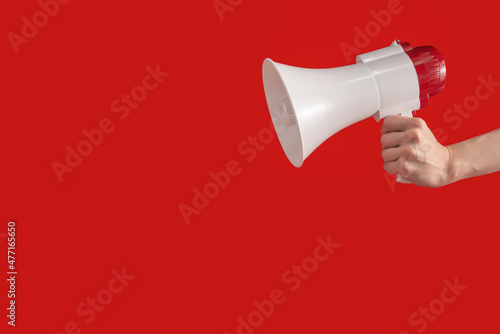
[410,149]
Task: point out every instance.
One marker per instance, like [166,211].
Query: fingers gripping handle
[399,178]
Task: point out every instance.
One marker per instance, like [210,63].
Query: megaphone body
[308,106]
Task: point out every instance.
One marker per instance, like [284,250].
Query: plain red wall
[119,207]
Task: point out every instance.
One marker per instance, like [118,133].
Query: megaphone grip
[399,178]
[402,180]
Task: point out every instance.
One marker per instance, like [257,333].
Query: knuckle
[408,154]
[409,135]
[419,123]
[383,139]
[384,155]
[404,168]
[385,125]
[413,135]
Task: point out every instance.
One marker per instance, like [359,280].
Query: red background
[119,208]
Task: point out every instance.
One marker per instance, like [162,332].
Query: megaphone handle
[399,178]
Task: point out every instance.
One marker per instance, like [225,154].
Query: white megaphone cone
[308,106]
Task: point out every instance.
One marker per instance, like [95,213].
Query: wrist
[451,168]
[456,169]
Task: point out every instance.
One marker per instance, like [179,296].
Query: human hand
[410,149]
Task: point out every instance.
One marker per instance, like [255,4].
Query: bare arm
[410,149]
[476,156]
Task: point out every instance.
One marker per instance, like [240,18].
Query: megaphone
[308,106]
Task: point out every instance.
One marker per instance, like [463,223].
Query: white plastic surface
[310,105]
[324,101]
[396,80]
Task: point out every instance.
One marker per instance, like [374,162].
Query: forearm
[474,157]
